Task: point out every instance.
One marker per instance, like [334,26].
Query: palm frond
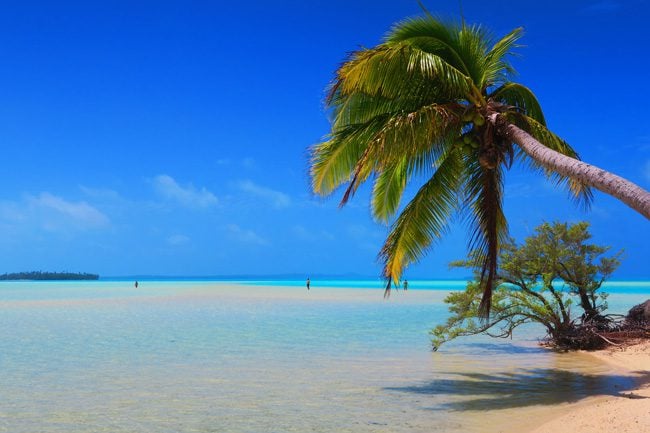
[333,161]
[397,112]
[387,71]
[541,133]
[387,190]
[496,67]
[424,219]
[472,43]
[420,159]
[359,108]
[522,98]
[354,152]
[464,47]
[431,35]
[484,195]
[578,190]
[415,134]
[419,137]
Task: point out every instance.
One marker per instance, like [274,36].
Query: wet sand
[627,411]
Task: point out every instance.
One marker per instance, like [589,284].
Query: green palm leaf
[381,71]
[333,161]
[419,137]
[387,191]
[497,69]
[578,190]
[484,196]
[432,36]
[522,98]
[424,219]
[428,103]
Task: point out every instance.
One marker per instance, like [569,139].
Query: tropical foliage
[553,279]
[434,103]
[40,275]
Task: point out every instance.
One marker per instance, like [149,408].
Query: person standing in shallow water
[308,283]
[406,284]
[136,284]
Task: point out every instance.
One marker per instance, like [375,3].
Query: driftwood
[639,314]
[601,331]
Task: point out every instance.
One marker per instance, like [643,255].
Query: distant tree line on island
[40,275]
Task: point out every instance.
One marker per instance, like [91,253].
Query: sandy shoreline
[627,412]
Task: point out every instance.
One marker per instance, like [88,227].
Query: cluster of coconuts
[470,141]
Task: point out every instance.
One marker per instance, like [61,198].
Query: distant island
[39,275]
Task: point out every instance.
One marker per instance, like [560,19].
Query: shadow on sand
[510,349]
[528,387]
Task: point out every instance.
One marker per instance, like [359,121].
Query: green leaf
[496,68]
[579,191]
[424,219]
[388,189]
[522,98]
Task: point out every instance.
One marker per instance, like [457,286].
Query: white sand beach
[627,412]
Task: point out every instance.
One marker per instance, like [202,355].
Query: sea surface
[270,356]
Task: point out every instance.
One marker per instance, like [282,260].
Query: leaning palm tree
[434,104]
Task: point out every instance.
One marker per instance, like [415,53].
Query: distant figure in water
[136,284]
[308,283]
[406,284]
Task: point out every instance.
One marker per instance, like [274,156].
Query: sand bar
[628,411]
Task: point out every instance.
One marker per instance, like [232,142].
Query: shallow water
[211,357]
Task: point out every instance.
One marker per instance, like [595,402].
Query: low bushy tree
[553,279]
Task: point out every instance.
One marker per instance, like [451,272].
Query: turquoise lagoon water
[206,356]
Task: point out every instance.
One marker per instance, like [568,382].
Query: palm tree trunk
[629,193]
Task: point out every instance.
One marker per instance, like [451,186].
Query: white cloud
[188,196]
[50,213]
[248,163]
[245,236]
[11,212]
[302,233]
[78,212]
[101,193]
[177,240]
[365,237]
[360,231]
[277,199]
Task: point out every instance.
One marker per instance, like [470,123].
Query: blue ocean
[270,356]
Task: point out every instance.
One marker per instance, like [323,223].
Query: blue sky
[171,138]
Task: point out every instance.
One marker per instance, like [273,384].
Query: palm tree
[433,103]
